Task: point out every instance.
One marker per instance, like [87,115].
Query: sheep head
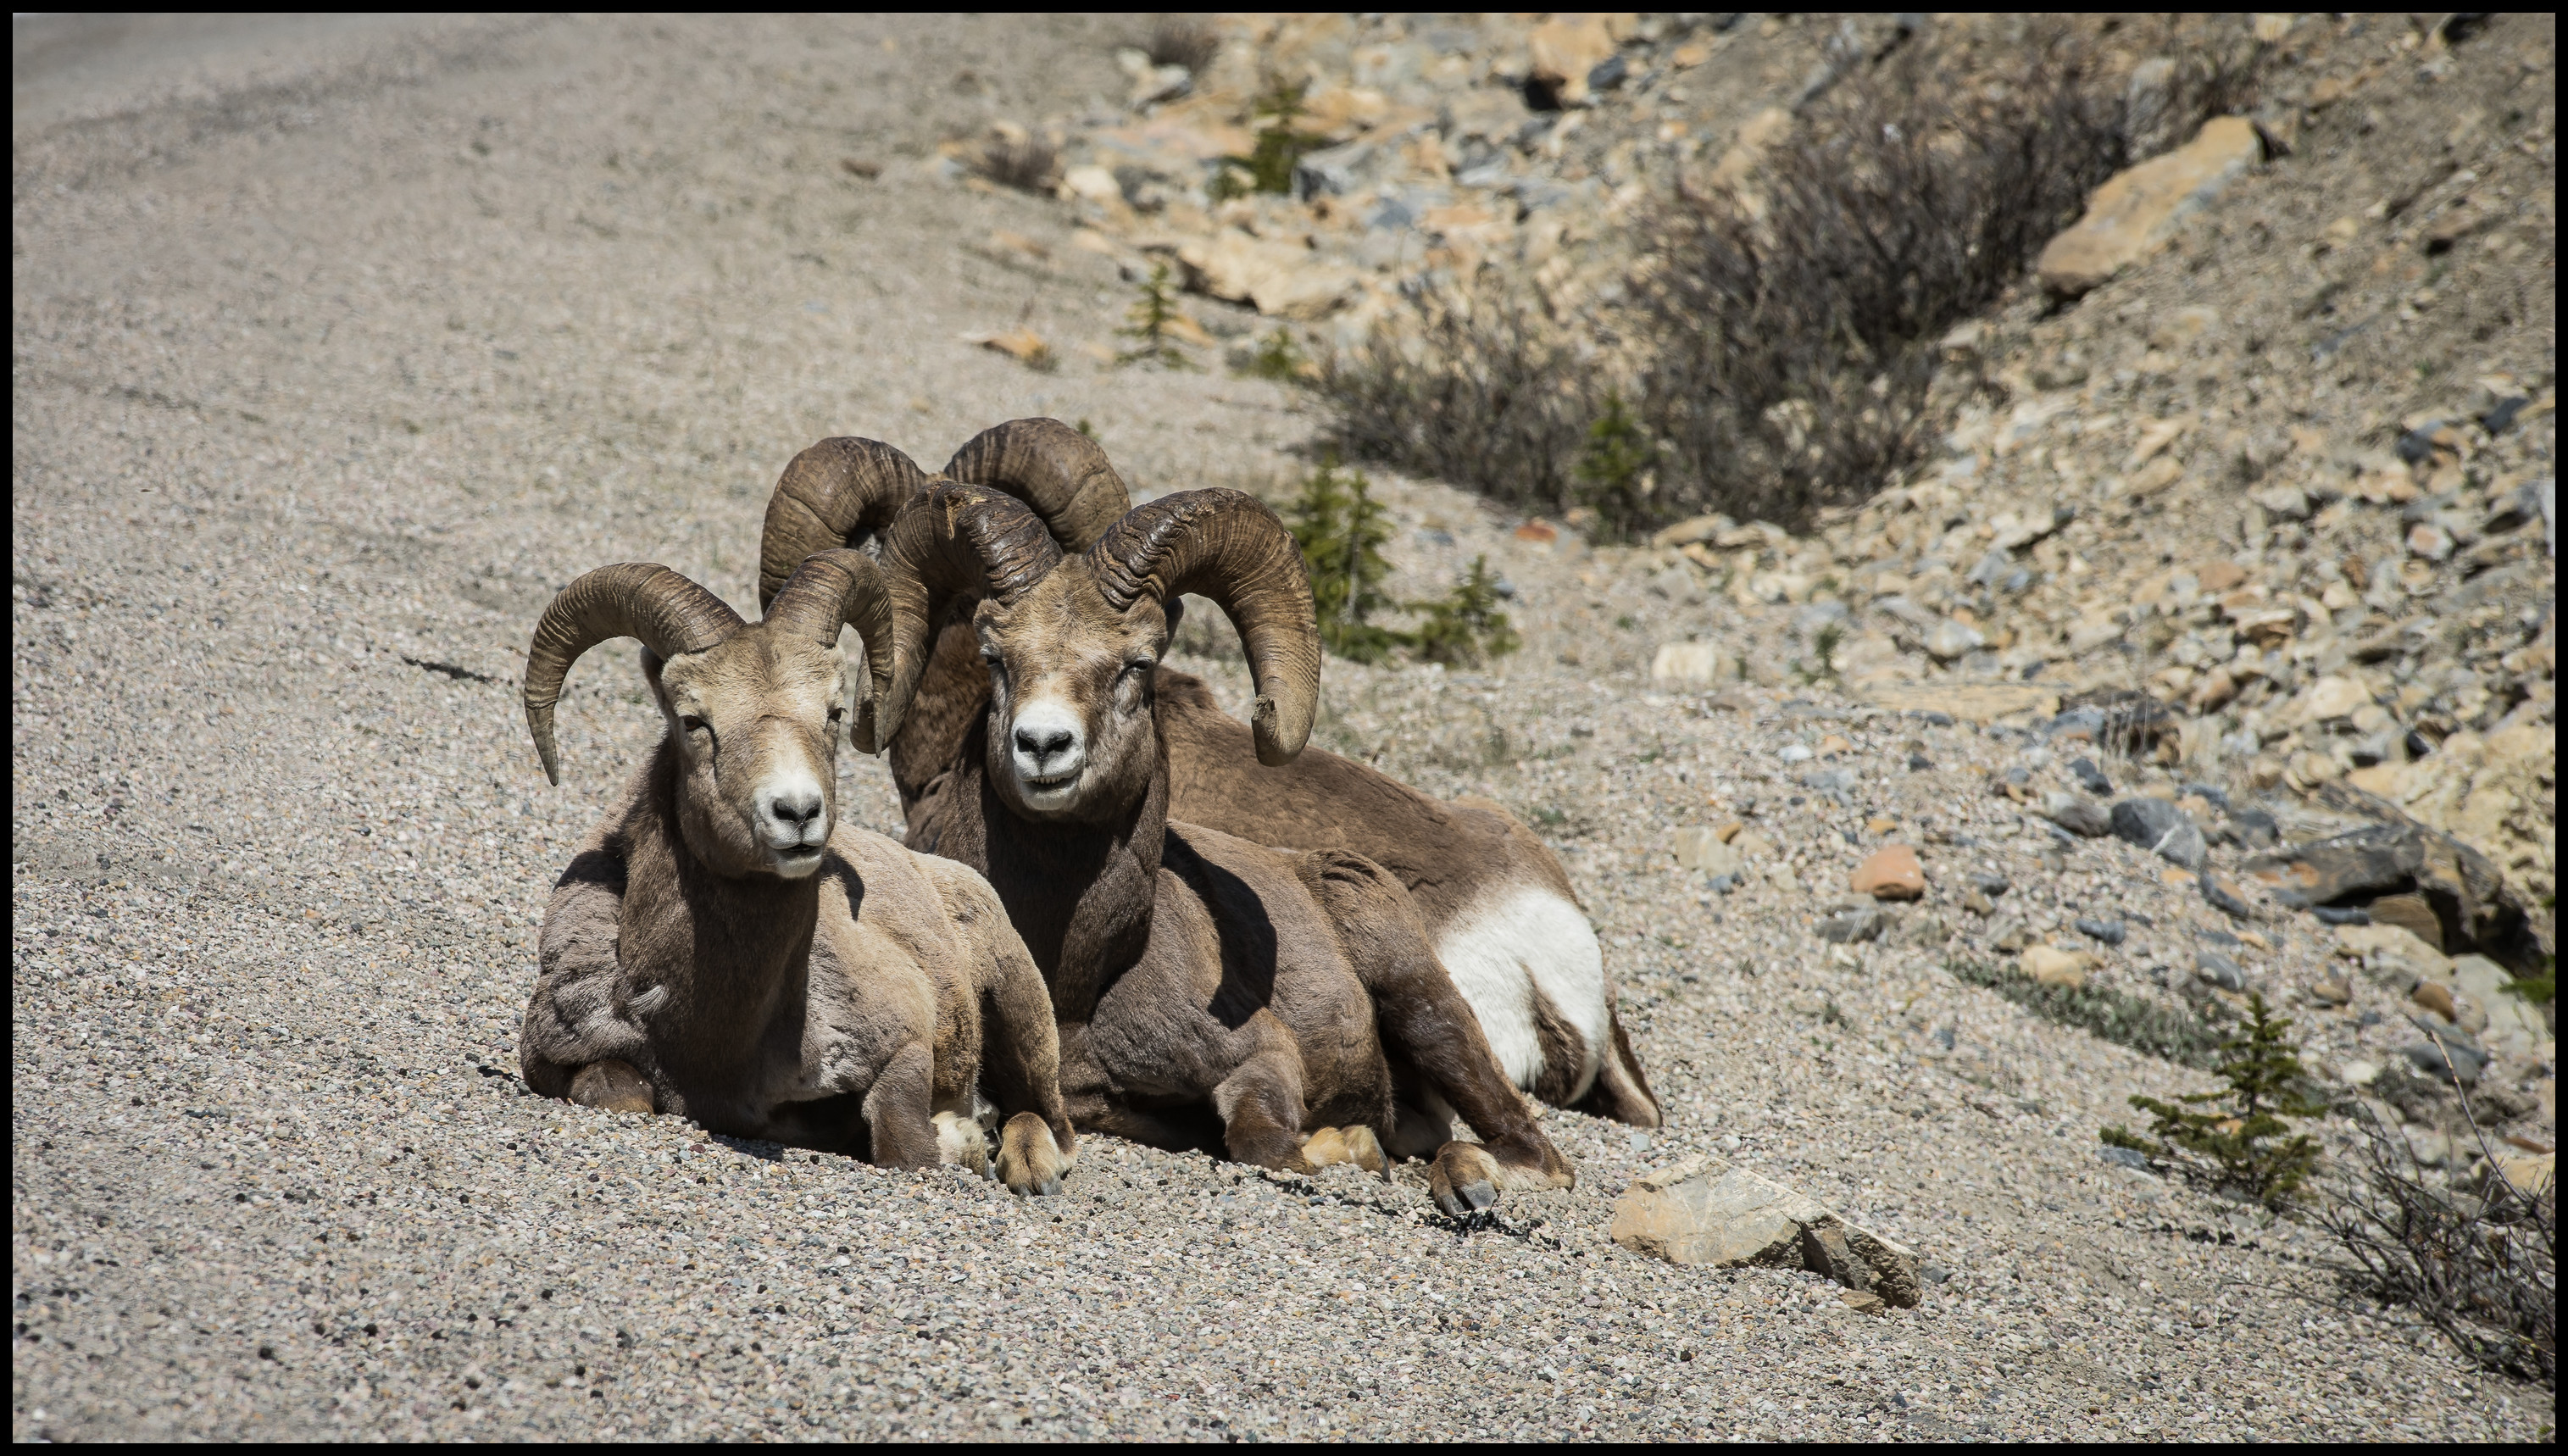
[1072,641]
[754,711]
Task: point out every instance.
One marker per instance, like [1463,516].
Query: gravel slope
[333,356]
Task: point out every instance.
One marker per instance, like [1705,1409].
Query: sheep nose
[794,810]
[1043,744]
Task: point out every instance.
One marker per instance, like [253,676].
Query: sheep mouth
[1057,780]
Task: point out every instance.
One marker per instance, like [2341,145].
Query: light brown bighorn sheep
[724,948]
[1210,991]
[1497,903]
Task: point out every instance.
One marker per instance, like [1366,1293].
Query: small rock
[1795,754]
[2110,932]
[2255,828]
[1702,849]
[2465,1061]
[2007,935]
[1918,763]
[2332,991]
[2089,778]
[2219,970]
[1977,903]
[1949,640]
[2436,996]
[1989,884]
[2160,827]
[2529,1173]
[1890,873]
[2222,894]
[2410,913]
[2340,915]
[1689,662]
[2131,1158]
[2357,1072]
[1851,926]
[2051,966]
[2076,815]
[1725,884]
[1705,1211]
[1865,1302]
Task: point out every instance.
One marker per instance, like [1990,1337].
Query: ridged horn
[956,541]
[837,494]
[1060,473]
[1227,545]
[844,587]
[671,615]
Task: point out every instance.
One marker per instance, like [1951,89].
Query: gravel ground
[335,352]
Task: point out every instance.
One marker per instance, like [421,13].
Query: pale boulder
[1702,849]
[1689,662]
[1281,279]
[1705,1211]
[2134,214]
[2051,966]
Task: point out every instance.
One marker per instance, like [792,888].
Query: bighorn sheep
[1279,1004]
[1497,905]
[722,948]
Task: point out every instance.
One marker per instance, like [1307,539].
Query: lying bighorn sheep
[1198,978]
[724,948]
[1497,905]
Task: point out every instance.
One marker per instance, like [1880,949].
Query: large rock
[1707,1211]
[2134,214]
[1568,48]
[2461,885]
[1702,849]
[1281,279]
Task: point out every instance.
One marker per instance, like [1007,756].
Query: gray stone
[2079,816]
[2219,970]
[1949,639]
[2221,895]
[2466,1060]
[1849,927]
[1705,1211]
[2089,778]
[2131,1158]
[2110,932]
[2162,828]
[1989,883]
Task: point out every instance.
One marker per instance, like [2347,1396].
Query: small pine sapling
[1341,529]
[1465,626]
[1152,315]
[1281,144]
[1277,358]
[1615,474]
[2240,1138]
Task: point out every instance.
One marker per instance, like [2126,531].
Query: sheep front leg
[1261,1103]
[900,1110]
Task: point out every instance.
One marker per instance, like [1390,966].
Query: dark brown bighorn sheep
[1497,905]
[1278,1003]
[724,948]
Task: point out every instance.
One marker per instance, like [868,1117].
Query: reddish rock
[1892,873]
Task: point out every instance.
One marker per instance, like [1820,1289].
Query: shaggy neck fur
[739,949]
[1079,895]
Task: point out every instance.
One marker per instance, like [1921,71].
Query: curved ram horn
[837,494]
[956,541]
[1227,545]
[1063,475]
[671,615]
[831,589]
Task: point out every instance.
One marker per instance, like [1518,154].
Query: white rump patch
[1511,940]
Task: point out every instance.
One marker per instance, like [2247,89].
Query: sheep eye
[694,725]
[836,712]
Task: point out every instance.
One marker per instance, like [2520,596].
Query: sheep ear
[1177,609]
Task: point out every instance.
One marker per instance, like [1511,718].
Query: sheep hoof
[1463,1179]
[613,1087]
[1333,1145]
[960,1143]
[1029,1162]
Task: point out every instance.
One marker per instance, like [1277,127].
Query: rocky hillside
[2269,435]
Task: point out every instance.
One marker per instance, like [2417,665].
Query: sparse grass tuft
[2125,1020]
[1183,40]
[2237,1136]
[2483,1272]
[1276,358]
[1029,164]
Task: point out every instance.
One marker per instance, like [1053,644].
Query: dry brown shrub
[1029,164]
[1183,40]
